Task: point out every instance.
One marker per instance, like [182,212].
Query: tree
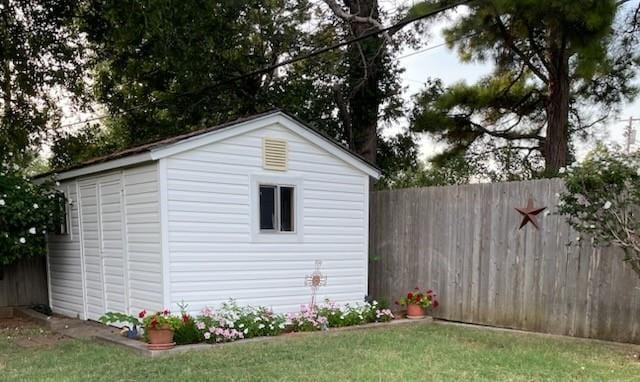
[554,61]
[164,68]
[456,170]
[367,63]
[40,58]
[177,73]
[602,201]
[89,142]
[370,91]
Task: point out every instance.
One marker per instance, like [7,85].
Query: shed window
[277,208]
[63,227]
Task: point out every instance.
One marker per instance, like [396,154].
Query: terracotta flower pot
[415,311]
[160,338]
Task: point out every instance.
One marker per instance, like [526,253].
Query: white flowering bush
[233,322]
[27,212]
[332,315]
[602,200]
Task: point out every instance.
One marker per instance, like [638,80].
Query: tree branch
[507,135]
[349,17]
[510,41]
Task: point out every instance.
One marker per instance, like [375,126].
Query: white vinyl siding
[212,254]
[112,258]
[65,263]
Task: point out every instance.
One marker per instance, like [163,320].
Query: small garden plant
[115,318]
[424,299]
[159,320]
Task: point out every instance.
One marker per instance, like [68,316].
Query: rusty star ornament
[529,214]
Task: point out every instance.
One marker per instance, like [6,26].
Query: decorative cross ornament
[529,214]
[315,280]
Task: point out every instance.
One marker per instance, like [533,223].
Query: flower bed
[232,322]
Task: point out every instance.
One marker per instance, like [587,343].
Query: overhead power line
[399,25]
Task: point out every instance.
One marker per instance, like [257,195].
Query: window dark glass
[63,228]
[267,207]
[286,209]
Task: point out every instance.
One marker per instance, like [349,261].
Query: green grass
[408,353]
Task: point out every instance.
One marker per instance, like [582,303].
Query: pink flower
[200,325]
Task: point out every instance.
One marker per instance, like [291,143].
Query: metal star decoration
[529,214]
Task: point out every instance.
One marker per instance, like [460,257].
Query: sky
[440,62]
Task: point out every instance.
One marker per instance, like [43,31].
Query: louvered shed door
[102,225]
[90,231]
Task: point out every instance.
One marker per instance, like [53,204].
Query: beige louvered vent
[274,154]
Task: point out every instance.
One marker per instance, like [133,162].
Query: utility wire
[422,50]
[266,69]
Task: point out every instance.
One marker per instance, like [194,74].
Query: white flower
[58,184]
[207,335]
[231,324]
[592,226]
[241,326]
[562,170]
[607,205]
[261,326]
[245,331]
[281,326]
[35,205]
[1,202]
[22,240]
[32,230]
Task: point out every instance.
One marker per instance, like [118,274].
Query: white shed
[241,210]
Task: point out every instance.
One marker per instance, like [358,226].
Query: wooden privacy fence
[24,283]
[464,242]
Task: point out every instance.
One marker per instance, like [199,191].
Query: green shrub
[602,201]
[27,212]
[186,332]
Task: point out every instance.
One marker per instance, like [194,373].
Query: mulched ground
[26,333]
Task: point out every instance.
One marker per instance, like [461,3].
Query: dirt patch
[26,333]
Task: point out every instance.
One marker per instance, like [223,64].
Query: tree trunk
[556,147]
[366,68]
[6,66]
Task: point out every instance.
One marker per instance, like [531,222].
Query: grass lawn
[415,352]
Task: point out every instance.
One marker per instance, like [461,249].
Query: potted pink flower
[417,302]
[159,328]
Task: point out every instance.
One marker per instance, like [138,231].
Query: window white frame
[275,235]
